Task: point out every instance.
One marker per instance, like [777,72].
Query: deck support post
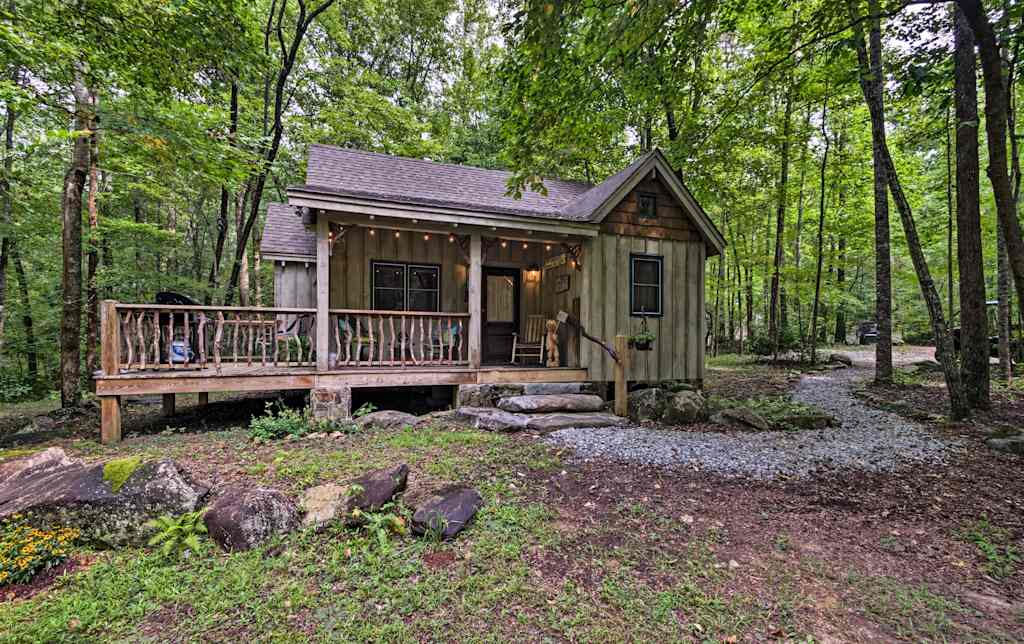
[621,367]
[475,291]
[323,276]
[110,365]
[110,419]
[168,405]
[204,398]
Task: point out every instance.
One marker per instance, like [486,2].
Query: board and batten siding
[678,351]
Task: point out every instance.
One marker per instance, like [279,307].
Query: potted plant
[642,340]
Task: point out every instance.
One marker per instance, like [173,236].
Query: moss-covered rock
[50,490]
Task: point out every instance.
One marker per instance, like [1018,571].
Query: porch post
[475,292]
[323,276]
[110,364]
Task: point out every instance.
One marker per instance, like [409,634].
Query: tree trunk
[93,249]
[5,213]
[798,232]
[780,223]
[840,335]
[871,85]
[995,129]
[31,351]
[222,214]
[821,237]
[1003,320]
[974,345]
[243,274]
[950,266]
[71,220]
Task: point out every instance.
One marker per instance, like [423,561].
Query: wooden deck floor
[254,378]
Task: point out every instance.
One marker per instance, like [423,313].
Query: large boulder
[1011,444]
[741,418]
[684,407]
[326,503]
[492,419]
[544,403]
[647,404]
[50,489]
[386,419]
[243,518]
[447,511]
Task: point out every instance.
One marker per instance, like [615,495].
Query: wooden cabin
[430,274]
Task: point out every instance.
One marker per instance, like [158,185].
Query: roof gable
[284,235]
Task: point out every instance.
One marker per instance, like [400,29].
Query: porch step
[497,420]
[546,403]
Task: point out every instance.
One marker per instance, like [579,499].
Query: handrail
[399,313]
[214,309]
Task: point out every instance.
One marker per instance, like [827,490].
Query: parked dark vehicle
[992,312]
[867,332]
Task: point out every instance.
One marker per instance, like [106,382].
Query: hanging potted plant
[643,339]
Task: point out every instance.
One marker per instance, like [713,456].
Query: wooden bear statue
[551,341]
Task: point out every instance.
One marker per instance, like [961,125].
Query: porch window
[646,279]
[399,286]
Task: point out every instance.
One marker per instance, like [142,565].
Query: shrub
[761,344]
[13,388]
[279,421]
[178,535]
[26,551]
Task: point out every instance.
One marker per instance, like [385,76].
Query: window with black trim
[400,286]
[646,279]
[647,205]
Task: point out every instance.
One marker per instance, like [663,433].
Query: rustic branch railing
[360,338]
[145,337]
[155,336]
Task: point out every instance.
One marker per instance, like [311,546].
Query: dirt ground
[577,551]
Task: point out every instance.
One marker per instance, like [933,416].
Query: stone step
[497,420]
[546,403]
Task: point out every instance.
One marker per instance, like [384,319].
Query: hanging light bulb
[426,238]
[398,234]
[504,244]
[372,232]
[547,247]
[525,245]
[451,238]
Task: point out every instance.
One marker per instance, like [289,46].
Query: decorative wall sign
[555,262]
[561,283]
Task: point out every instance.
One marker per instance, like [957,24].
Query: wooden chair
[531,343]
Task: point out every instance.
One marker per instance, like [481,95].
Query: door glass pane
[500,298]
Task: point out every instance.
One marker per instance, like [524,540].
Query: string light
[525,245]
[451,238]
[398,234]
[547,247]
[426,237]
[504,244]
[372,232]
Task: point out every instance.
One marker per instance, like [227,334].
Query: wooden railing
[153,336]
[360,338]
[144,337]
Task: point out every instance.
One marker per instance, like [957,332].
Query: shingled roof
[284,235]
[355,174]
[370,175]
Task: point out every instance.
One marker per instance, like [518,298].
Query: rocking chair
[531,344]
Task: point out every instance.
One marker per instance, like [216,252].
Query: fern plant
[176,536]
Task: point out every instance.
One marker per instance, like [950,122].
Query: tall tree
[974,345]
[871,86]
[780,220]
[821,236]
[989,50]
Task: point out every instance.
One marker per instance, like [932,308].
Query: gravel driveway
[868,439]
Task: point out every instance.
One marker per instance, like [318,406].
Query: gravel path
[868,439]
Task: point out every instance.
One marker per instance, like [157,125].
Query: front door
[500,312]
